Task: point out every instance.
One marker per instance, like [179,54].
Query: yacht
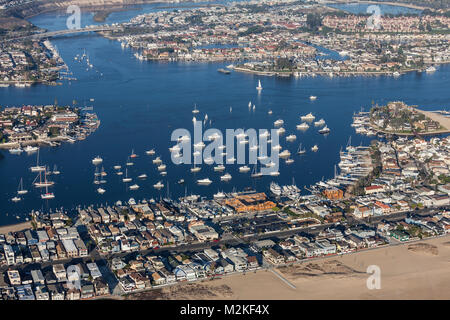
[196,153]
[277,147]
[315,148]
[181,181]
[209,160]
[285,154]
[219,168]
[275,189]
[158,185]
[175,148]
[312,97]
[142,176]
[264,134]
[226,177]
[261,158]
[275,173]
[324,130]
[319,123]
[259,87]
[47,196]
[119,173]
[97,160]
[278,122]
[270,164]
[244,141]
[244,169]
[308,117]
[117,167]
[157,160]
[161,167]
[281,130]
[150,152]
[430,69]
[163,173]
[205,181]
[269,112]
[241,135]
[254,147]
[195,169]
[134,187]
[101,190]
[16,199]
[219,195]
[302,126]
[40,183]
[30,149]
[21,190]
[213,136]
[291,137]
[194,120]
[17,150]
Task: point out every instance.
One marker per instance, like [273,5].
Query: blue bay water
[141,103]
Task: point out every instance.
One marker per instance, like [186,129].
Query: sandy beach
[15,227]
[409,271]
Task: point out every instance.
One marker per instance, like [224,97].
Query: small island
[400,119]
[44,125]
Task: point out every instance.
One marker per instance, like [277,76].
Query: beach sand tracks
[424,248]
[185,291]
[330,268]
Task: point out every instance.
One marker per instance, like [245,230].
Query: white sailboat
[37,168]
[55,170]
[259,87]
[300,150]
[126,179]
[21,190]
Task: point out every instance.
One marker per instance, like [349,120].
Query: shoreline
[15,227]
[396,4]
[287,286]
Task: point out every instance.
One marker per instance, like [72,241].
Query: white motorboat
[324,130]
[97,160]
[150,152]
[302,126]
[209,160]
[117,167]
[16,199]
[204,182]
[157,160]
[219,168]
[161,167]
[291,137]
[47,196]
[319,123]
[134,187]
[30,149]
[308,117]
[289,161]
[101,190]
[244,169]
[275,189]
[142,176]
[312,97]
[315,148]
[158,185]
[17,150]
[278,122]
[195,169]
[281,130]
[285,154]
[226,177]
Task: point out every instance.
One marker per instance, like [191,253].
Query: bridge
[51,34]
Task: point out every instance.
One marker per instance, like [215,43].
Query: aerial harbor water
[141,103]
